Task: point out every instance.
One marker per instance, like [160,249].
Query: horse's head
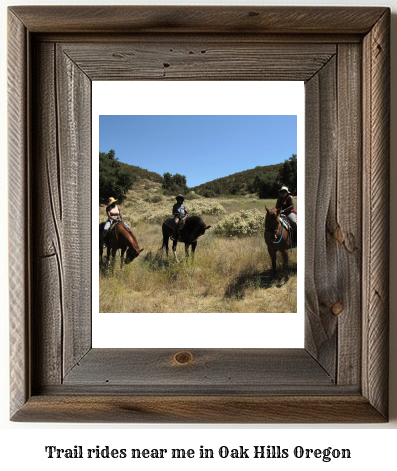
[132,254]
[198,231]
[272,218]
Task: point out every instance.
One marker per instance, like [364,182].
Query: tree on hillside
[167,183]
[174,184]
[114,179]
[265,184]
[288,173]
[142,173]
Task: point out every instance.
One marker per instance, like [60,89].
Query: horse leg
[174,250]
[122,256]
[187,250]
[273,256]
[165,243]
[112,260]
[284,253]
[194,245]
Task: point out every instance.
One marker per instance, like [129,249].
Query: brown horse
[120,237]
[277,239]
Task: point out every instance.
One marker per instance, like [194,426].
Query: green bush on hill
[114,179]
[174,184]
[263,180]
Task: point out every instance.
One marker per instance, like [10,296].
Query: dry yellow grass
[228,274]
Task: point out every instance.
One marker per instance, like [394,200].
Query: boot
[105,232]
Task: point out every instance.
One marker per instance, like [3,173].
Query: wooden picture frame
[342,54]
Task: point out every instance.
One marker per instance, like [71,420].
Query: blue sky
[202,148]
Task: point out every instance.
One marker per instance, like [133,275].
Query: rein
[192,239]
[281,236]
[267,229]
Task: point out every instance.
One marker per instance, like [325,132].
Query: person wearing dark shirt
[179,211]
[286,203]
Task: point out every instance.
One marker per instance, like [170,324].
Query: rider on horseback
[287,206]
[179,211]
[114,215]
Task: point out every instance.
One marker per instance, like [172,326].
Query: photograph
[198,213]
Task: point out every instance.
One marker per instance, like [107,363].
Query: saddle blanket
[287,226]
[113,226]
[285,223]
[171,223]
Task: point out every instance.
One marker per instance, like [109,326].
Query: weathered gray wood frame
[342,54]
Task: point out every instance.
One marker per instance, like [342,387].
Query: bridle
[269,229]
[192,235]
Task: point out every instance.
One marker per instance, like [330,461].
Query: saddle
[285,222]
[181,224]
[287,226]
[112,228]
[171,224]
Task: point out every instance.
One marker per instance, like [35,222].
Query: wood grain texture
[229,370]
[62,256]
[320,271]
[194,39]
[345,228]
[73,92]
[18,248]
[333,248]
[48,281]
[199,409]
[203,60]
[341,376]
[376,92]
[193,19]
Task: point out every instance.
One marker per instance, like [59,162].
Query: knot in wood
[338,235]
[183,358]
[337,308]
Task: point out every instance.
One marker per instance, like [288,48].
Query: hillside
[262,180]
[240,182]
[142,173]
[237,183]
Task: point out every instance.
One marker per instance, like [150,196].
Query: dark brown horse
[278,239]
[120,237]
[194,227]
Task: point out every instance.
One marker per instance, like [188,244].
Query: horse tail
[165,236]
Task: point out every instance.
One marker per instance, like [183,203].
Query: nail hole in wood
[183,358]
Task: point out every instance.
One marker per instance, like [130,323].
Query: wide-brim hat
[112,200]
[179,196]
[284,188]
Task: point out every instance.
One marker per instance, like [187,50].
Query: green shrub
[242,223]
